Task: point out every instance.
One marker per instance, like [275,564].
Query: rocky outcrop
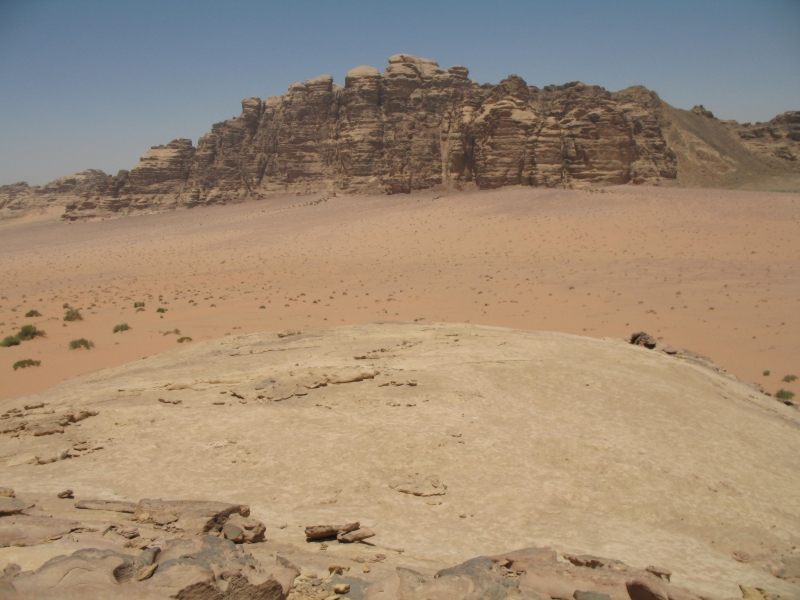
[417,126]
[779,138]
[78,189]
[197,559]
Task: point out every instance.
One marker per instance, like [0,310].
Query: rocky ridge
[198,550]
[417,126]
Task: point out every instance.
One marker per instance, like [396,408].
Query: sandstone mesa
[417,126]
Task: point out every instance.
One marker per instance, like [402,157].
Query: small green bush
[28,362]
[161,310]
[81,343]
[28,332]
[33,313]
[9,340]
[784,395]
[65,305]
[184,339]
[121,327]
[766,373]
[138,305]
[176,331]
[73,314]
[790,378]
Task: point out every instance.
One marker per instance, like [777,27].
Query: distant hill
[417,126]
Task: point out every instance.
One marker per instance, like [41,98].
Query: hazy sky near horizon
[95,83]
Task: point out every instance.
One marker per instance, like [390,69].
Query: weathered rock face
[79,189]
[416,126]
[779,138]
[413,127]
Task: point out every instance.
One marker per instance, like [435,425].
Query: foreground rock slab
[592,447]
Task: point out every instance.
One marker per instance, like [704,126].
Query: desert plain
[714,271]
[452,371]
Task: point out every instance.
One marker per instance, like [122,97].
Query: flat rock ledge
[192,550]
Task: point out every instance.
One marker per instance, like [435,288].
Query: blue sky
[93,84]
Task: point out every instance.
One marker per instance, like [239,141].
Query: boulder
[238,588]
[358,535]
[197,517]
[321,532]
[643,339]
[241,529]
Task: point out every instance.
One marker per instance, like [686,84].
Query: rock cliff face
[416,126]
[18,197]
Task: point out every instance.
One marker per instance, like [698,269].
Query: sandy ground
[714,271]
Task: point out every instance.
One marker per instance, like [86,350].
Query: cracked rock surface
[509,439]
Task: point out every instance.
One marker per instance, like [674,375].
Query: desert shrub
[790,378]
[784,395]
[121,327]
[28,332]
[161,310]
[65,305]
[28,362]
[176,331]
[138,305]
[33,313]
[184,339]
[9,340]
[73,314]
[262,306]
[81,343]
[766,373]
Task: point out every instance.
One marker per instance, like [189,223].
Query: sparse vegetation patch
[28,362]
[784,394]
[73,314]
[121,327]
[184,339]
[790,378]
[28,332]
[80,343]
[33,313]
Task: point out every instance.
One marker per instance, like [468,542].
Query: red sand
[714,271]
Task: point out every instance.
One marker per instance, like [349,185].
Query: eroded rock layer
[416,126]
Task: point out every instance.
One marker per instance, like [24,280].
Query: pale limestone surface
[590,446]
